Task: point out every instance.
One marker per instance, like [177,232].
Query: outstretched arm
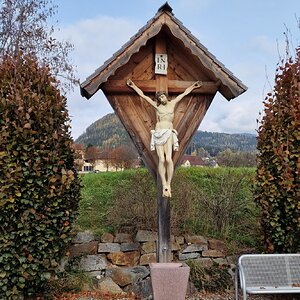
[131,84]
[195,85]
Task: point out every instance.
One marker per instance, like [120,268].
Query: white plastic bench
[268,274]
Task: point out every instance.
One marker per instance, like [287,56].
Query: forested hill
[108,132]
[215,142]
[105,132]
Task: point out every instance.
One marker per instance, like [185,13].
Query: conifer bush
[39,189]
[278,170]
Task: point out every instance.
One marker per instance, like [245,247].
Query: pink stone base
[169,280]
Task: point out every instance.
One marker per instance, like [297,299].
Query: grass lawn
[210,202]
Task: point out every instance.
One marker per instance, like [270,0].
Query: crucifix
[164,124]
[162,57]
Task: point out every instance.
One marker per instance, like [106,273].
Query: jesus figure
[164,137]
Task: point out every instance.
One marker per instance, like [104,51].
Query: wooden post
[164,253]
[163,204]
[161,80]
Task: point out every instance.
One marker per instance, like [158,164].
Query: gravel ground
[199,296]
[217,296]
[230,296]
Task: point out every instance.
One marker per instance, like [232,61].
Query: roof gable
[229,86]
[194,160]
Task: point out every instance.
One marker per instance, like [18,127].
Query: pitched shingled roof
[230,86]
[194,160]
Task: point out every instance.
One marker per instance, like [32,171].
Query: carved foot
[167,191]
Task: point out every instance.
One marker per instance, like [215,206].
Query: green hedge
[277,189]
[39,189]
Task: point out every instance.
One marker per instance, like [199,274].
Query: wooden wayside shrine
[162,56]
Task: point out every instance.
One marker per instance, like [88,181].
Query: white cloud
[95,41]
[236,116]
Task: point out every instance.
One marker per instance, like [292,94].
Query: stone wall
[120,263]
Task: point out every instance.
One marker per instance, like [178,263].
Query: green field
[206,201]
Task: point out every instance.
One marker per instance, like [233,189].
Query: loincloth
[161,136]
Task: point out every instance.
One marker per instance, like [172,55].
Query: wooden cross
[162,83]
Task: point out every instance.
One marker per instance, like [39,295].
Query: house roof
[194,160]
[230,86]
[104,155]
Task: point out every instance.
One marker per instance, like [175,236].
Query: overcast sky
[246,36]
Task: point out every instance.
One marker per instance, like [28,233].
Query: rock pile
[120,263]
